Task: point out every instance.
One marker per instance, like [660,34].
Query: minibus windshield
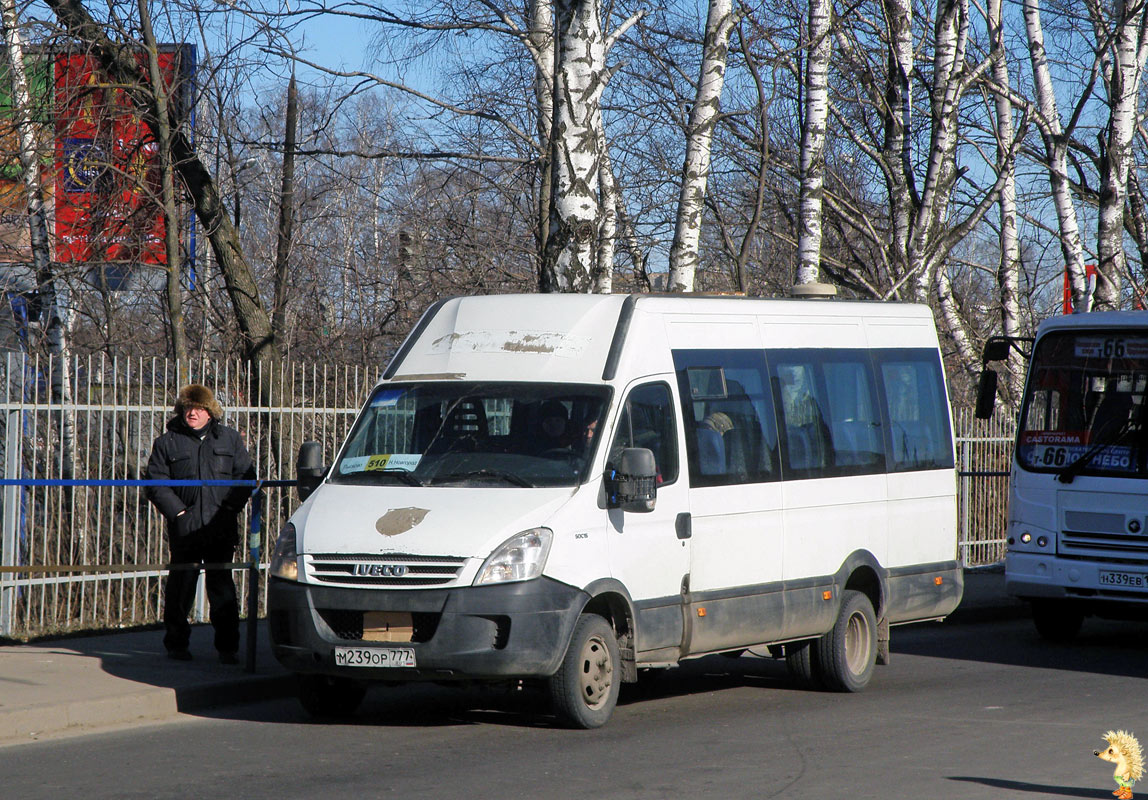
[1085,403]
[474,434]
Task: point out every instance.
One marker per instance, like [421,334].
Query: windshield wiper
[1067,474]
[509,477]
[403,475]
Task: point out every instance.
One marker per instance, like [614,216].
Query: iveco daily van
[570,489]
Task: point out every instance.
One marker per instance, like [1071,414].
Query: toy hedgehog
[1123,751]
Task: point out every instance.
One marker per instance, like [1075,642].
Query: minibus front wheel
[585,688]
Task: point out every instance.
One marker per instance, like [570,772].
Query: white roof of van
[570,338]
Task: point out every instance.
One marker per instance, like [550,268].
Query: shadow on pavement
[1103,647]
[1034,788]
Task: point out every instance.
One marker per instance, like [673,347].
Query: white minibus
[572,489]
[1077,518]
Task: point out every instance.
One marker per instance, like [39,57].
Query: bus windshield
[1084,402]
[471,434]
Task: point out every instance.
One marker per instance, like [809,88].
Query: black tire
[327,697]
[1056,621]
[846,656]
[800,661]
[585,688]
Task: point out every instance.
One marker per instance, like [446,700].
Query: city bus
[1077,532]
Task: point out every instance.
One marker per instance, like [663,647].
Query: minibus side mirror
[986,393]
[309,469]
[632,485]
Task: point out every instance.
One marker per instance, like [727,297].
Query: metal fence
[112,538]
[984,452]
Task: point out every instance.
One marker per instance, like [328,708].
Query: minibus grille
[394,570]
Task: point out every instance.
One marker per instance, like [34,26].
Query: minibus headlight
[284,558]
[520,558]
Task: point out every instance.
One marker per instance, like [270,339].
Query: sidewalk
[84,684]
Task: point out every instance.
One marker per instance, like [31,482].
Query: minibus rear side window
[914,392]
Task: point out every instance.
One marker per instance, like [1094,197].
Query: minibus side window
[647,420]
[917,409]
[829,412]
[731,437]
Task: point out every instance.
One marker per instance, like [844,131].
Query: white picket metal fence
[92,557]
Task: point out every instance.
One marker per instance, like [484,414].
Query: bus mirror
[309,469]
[996,349]
[986,393]
[633,484]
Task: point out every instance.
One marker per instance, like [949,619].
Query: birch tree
[1056,138]
[1008,271]
[704,115]
[1124,67]
[812,167]
[570,261]
[55,329]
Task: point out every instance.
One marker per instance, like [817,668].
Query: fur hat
[719,422]
[196,395]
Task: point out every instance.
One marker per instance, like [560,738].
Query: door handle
[684,526]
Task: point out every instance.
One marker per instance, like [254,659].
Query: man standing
[202,521]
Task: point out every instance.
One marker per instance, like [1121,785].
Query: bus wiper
[1067,474]
[403,475]
[509,477]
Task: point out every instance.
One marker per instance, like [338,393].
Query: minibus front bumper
[469,633]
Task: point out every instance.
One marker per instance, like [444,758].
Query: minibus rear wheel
[801,662]
[585,688]
[848,653]
[325,696]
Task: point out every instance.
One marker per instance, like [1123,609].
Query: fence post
[253,577]
[10,524]
[966,504]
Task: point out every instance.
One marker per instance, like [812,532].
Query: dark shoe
[228,658]
[179,655]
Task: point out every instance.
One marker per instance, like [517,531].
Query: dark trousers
[179,595]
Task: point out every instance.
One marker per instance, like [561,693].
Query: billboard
[108,201]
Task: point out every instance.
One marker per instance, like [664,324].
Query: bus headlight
[522,557]
[284,558]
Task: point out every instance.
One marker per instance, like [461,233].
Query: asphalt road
[964,711]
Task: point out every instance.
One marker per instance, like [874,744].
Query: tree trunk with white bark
[813,142]
[699,137]
[1056,153]
[55,329]
[1123,81]
[570,258]
[1008,271]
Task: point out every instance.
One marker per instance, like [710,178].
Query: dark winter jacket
[180,454]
